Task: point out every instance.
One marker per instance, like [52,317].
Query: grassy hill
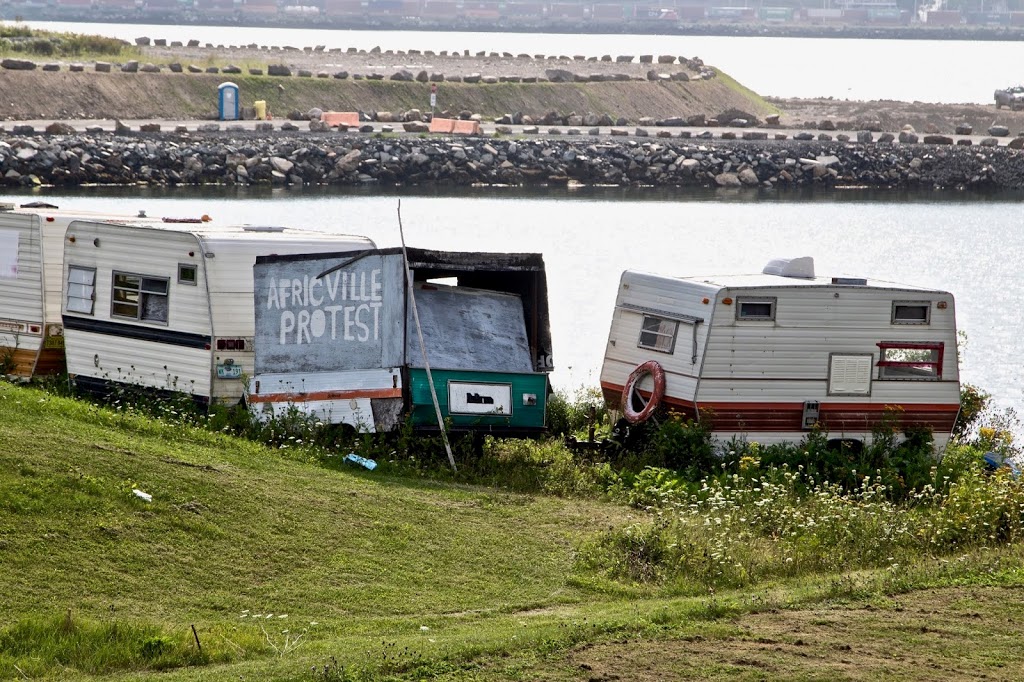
[235,530]
[290,569]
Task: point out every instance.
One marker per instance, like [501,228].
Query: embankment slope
[89,95]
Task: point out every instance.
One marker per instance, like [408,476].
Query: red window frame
[939,346]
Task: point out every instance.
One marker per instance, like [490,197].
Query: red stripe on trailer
[325,395]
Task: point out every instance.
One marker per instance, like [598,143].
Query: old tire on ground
[658,376]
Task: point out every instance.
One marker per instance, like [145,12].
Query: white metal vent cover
[801,268]
[849,375]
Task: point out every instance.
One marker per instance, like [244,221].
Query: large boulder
[998,131]
[349,162]
[747,176]
[728,180]
[278,70]
[559,75]
[18,64]
[59,128]
[130,67]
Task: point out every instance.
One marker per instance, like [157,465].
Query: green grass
[286,562]
[19,41]
[254,532]
[734,85]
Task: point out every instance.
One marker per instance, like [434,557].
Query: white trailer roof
[762,281]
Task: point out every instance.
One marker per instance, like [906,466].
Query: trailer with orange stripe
[770,356]
[32,284]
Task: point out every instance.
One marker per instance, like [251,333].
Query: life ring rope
[654,369]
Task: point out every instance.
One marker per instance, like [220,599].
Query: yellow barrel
[261,109]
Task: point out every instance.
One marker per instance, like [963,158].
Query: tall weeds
[743,528]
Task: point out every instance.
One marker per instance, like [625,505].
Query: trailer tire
[658,376]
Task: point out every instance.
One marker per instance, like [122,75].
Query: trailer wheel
[629,394]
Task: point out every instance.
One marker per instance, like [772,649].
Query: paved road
[192,126]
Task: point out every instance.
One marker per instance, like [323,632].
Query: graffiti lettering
[353,314]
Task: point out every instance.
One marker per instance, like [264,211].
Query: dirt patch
[940,635]
[892,115]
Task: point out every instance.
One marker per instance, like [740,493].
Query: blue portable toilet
[227,101]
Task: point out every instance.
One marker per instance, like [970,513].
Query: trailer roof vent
[6,206]
[263,228]
[801,268]
[850,281]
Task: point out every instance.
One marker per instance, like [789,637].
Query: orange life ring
[658,376]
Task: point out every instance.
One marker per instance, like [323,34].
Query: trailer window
[81,289]
[910,361]
[658,334]
[755,308]
[911,312]
[187,274]
[139,297]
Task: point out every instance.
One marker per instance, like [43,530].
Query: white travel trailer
[170,306]
[767,357]
[31,283]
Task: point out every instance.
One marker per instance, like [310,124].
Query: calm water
[910,70]
[588,238]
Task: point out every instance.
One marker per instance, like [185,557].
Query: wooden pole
[423,348]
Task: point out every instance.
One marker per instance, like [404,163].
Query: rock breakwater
[351,159]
